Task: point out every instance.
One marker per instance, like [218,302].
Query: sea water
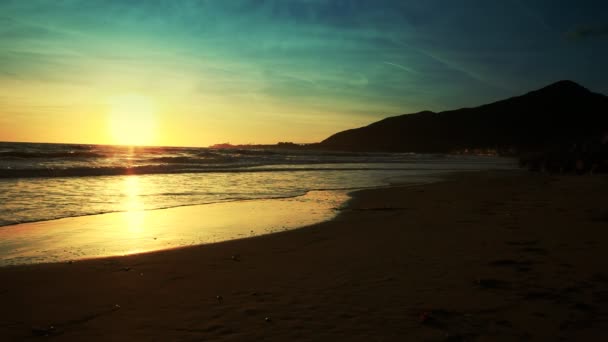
[43,182]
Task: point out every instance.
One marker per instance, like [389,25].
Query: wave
[255,152]
[169,169]
[94,171]
[33,160]
[193,160]
[7,155]
[241,198]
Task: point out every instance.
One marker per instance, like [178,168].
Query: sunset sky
[195,73]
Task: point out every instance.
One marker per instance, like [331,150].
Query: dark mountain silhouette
[550,118]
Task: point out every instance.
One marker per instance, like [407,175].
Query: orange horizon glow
[119,113]
[132,120]
[251,72]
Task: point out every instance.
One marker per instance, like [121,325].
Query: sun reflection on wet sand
[137,230]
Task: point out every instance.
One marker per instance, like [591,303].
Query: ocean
[41,182]
[63,202]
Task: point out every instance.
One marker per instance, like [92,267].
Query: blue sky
[285,70]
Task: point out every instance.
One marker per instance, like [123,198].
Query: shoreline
[503,255]
[19,242]
[142,192]
[437,178]
[116,234]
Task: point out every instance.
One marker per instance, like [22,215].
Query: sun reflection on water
[137,230]
[135,214]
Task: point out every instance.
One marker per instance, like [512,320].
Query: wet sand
[139,231]
[487,256]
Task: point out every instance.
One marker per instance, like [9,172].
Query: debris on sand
[47,331]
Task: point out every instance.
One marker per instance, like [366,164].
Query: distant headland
[559,122]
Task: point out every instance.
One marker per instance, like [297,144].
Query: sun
[132,120]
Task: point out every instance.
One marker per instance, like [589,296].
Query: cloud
[399,66]
[585,32]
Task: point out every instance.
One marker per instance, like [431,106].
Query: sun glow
[132,120]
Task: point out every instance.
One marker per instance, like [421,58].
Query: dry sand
[488,256]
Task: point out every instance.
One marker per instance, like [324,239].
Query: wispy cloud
[399,66]
[534,15]
[288,58]
[451,64]
[585,32]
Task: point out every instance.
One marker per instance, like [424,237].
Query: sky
[196,73]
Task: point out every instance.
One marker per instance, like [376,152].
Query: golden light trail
[135,213]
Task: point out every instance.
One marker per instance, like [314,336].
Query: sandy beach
[484,256]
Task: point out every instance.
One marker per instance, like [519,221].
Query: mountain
[557,115]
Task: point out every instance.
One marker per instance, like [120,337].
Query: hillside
[555,116]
